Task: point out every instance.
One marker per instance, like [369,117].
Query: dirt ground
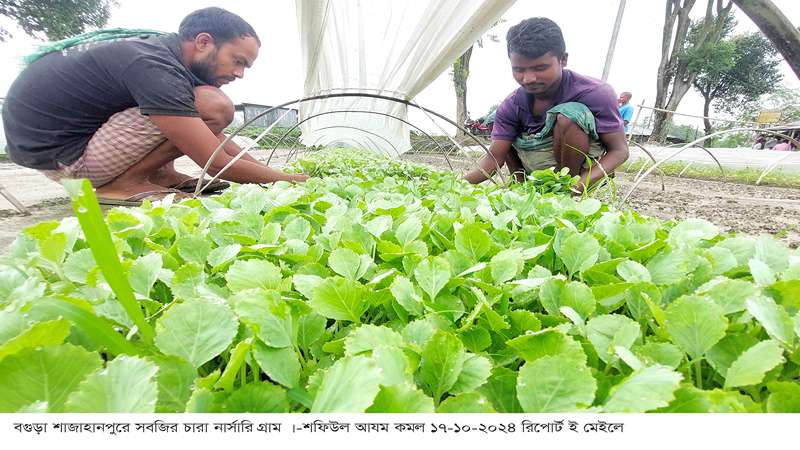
[733,207]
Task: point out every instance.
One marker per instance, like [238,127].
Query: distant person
[626,110]
[772,142]
[120,111]
[783,145]
[556,117]
[759,143]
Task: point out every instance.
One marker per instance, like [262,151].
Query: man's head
[221,45]
[538,54]
[624,98]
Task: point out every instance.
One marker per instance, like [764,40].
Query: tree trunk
[678,70]
[706,109]
[460,75]
[774,24]
[671,45]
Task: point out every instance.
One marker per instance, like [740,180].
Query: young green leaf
[350,385]
[340,299]
[46,374]
[501,390]
[194,249]
[432,274]
[506,265]
[471,402]
[252,274]
[474,373]
[196,331]
[282,365]
[127,385]
[695,324]
[555,384]
[51,332]
[784,397]
[348,263]
[633,272]
[175,381]
[729,294]
[473,241]
[690,232]
[773,318]
[258,397]
[749,368]
[408,230]
[609,331]
[401,398]
[763,275]
[441,364]
[548,342]
[644,390]
[370,337]
[268,315]
[578,252]
[405,294]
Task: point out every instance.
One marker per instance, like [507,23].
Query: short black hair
[534,37]
[221,24]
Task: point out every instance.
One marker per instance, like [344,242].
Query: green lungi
[535,150]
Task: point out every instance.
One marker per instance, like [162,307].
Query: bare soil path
[731,206]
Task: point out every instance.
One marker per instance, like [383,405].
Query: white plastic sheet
[387,47]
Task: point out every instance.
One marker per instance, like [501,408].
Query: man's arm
[195,140]
[616,154]
[233,149]
[498,153]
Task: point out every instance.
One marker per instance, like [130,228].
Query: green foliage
[55,19]
[783,99]
[547,181]
[740,70]
[387,287]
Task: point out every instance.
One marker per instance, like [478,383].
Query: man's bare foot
[168,176]
[121,190]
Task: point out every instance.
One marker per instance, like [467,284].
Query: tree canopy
[735,72]
[55,19]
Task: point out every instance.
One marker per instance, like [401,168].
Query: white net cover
[393,48]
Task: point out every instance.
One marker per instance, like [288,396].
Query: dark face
[219,65]
[623,99]
[539,76]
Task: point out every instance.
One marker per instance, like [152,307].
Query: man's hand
[193,137]
[489,163]
[616,154]
[298,177]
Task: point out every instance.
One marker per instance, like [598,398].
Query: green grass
[776,177]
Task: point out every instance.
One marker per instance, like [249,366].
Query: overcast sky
[587,24]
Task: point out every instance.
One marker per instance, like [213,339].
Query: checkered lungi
[126,138]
